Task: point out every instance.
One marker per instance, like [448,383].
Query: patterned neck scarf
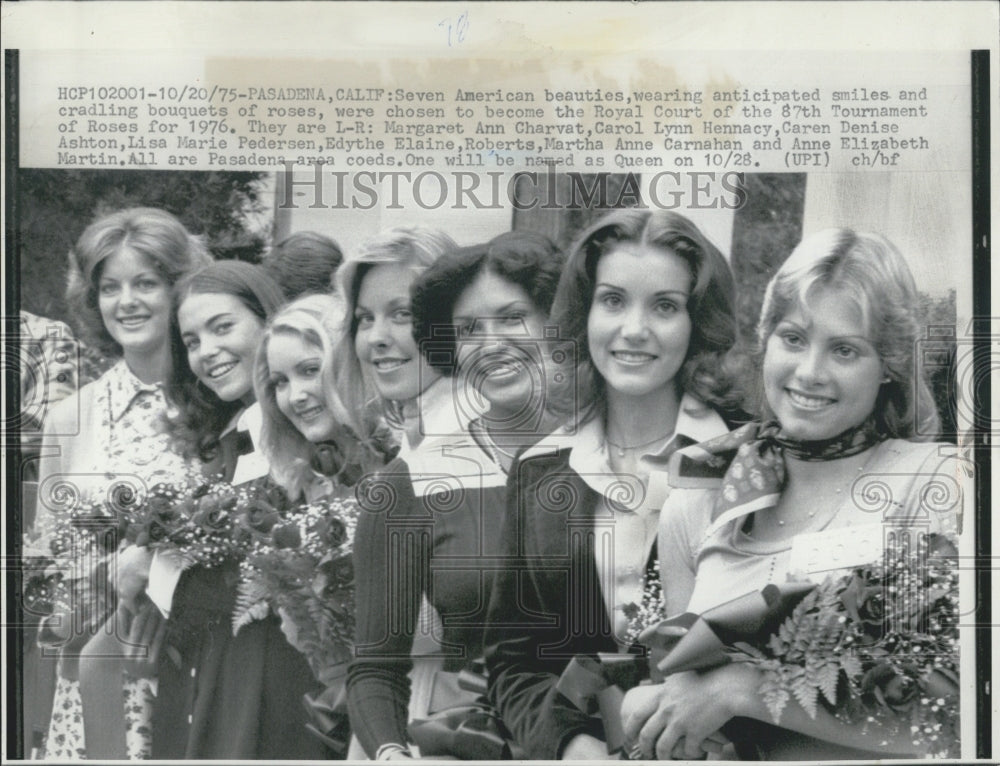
[755,456]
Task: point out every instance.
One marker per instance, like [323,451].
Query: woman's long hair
[201,414]
[416,248]
[314,320]
[153,233]
[706,372]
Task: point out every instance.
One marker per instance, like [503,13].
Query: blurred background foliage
[53,207]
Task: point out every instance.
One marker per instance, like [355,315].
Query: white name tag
[832,549]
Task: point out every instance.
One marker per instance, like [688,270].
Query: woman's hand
[132,573]
[681,717]
[146,631]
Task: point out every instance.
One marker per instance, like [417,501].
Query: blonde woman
[841,403]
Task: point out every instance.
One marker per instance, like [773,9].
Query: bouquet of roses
[45,585]
[65,566]
[302,569]
[878,646]
[300,566]
[205,525]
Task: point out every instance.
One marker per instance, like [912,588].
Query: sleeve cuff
[164,573]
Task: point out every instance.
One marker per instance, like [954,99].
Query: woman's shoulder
[396,469]
[688,511]
[917,479]
[917,464]
[387,490]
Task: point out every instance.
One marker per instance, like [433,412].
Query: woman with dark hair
[647,300]
[475,312]
[304,263]
[216,383]
[110,438]
[220,695]
[310,450]
[481,318]
[842,401]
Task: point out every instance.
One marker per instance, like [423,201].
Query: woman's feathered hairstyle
[153,233]
[873,272]
[415,247]
[704,373]
[315,320]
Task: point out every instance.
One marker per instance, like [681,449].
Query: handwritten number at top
[456,30]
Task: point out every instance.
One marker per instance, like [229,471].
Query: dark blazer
[547,604]
[222,696]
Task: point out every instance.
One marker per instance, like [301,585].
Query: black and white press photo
[527,386]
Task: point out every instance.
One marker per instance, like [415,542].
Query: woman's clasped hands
[682,718]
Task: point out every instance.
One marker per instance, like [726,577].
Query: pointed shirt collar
[441,417]
[124,388]
[588,448]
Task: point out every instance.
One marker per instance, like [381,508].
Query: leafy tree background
[53,207]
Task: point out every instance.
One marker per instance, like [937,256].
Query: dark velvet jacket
[222,696]
[547,604]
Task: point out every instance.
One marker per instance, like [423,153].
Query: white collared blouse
[111,434]
[628,518]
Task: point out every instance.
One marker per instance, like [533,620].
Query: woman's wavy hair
[874,274]
[153,233]
[314,319]
[201,414]
[528,260]
[415,247]
[706,372]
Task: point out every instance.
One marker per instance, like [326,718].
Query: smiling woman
[219,313]
[843,404]
[475,312]
[304,435]
[647,300]
[379,369]
[821,371]
[638,329]
[134,301]
[381,377]
[113,433]
[481,318]
[220,333]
